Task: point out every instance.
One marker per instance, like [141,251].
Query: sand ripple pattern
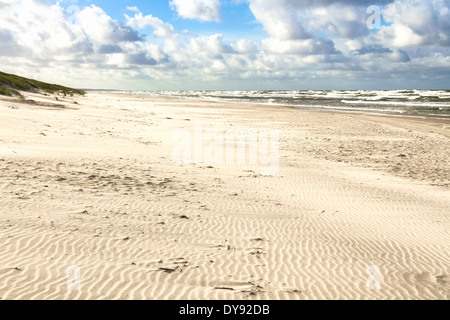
[94,190]
[228,244]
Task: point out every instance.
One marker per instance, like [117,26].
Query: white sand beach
[93,205]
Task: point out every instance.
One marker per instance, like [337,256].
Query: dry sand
[93,185]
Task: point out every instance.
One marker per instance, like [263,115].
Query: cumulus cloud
[417,23]
[102,29]
[279,18]
[302,19]
[8,46]
[39,30]
[410,22]
[209,46]
[399,56]
[244,46]
[203,10]
[388,54]
[134,9]
[109,48]
[299,47]
[305,43]
[139,21]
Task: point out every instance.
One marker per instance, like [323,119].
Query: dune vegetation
[11,85]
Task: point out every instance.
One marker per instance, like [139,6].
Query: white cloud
[134,9]
[308,43]
[302,19]
[417,23]
[208,46]
[138,54]
[139,21]
[399,56]
[279,19]
[299,47]
[102,29]
[413,22]
[244,46]
[37,37]
[203,10]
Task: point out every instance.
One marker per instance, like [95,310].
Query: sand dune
[93,185]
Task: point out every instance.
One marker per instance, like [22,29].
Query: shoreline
[93,185]
[343,109]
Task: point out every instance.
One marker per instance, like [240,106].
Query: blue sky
[236,21]
[229,44]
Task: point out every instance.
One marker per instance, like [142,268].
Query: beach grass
[10,84]
[9,92]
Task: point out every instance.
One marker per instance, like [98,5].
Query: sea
[405,103]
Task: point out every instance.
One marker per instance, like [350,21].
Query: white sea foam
[409,102]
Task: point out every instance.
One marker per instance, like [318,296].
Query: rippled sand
[92,205]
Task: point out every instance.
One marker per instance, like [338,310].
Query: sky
[228,44]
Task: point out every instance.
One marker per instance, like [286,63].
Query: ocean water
[412,103]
